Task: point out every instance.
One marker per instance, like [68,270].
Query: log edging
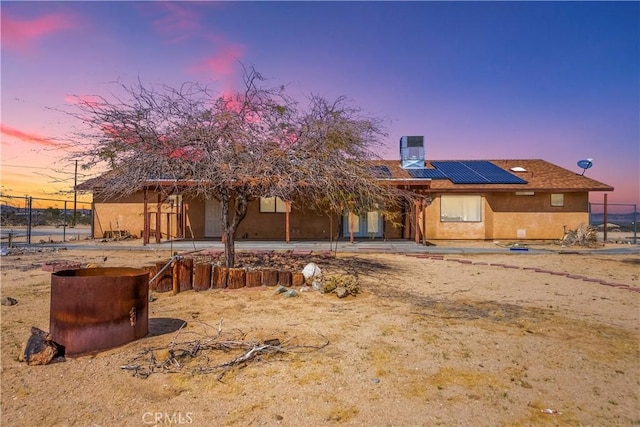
[190,275]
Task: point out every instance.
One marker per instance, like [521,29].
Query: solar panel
[493,173]
[459,173]
[380,171]
[423,173]
[476,172]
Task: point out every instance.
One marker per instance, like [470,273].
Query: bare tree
[235,148]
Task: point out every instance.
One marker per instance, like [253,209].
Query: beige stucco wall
[393,229]
[194,211]
[271,225]
[508,216]
[504,216]
[542,225]
[533,217]
[121,214]
[127,214]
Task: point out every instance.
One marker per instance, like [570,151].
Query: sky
[558,81]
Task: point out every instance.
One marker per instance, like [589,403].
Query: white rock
[311,270]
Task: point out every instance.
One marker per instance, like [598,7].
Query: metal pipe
[171,260]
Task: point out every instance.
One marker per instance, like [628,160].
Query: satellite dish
[585,164]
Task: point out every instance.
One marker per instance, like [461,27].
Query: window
[557,199]
[272,204]
[373,220]
[460,208]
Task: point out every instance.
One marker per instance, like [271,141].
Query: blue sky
[480,80]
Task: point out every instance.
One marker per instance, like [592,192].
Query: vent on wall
[412,151]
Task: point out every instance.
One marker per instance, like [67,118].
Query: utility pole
[75,194]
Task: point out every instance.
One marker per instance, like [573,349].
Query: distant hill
[625,221]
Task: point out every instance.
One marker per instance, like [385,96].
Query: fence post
[635,225]
[64,223]
[29,203]
[605,219]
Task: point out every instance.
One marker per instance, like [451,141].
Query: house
[459,199]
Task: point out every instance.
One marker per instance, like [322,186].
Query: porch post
[417,208]
[180,220]
[350,227]
[424,222]
[169,237]
[287,209]
[158,219]
[146,225]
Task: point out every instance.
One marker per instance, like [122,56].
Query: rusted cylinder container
[98,308]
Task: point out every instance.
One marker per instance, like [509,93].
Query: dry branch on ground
[205,355]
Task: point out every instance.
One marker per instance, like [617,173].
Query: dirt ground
[482,340]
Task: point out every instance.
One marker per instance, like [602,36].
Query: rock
[342,292]
[279,290]
[316,285]
[291,293]
[40,349]
[8,301]
[311,271]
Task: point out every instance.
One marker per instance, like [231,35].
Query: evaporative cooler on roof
[412,151]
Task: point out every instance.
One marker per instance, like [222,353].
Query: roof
[99,181]
[539,175]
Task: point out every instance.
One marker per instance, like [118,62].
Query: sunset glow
[480,80]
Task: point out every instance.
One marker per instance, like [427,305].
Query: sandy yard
[482,340]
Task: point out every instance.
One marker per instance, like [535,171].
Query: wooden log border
[189,275]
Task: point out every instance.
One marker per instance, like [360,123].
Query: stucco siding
[537,225]
[124,213]
[437,229]
[533,217]
[504,215]
[194,218]
[538,202]
[272,225]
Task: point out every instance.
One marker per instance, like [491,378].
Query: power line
[20,166]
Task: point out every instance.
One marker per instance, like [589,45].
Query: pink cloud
[182,21]
[19,35]
[28,137]
[223,66]
[224,62]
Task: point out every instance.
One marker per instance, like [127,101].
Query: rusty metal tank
[98,308]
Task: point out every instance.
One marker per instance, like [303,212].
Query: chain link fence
[27,220]
[615,221]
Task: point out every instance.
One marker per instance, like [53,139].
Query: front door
[212,218]
[369,225]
